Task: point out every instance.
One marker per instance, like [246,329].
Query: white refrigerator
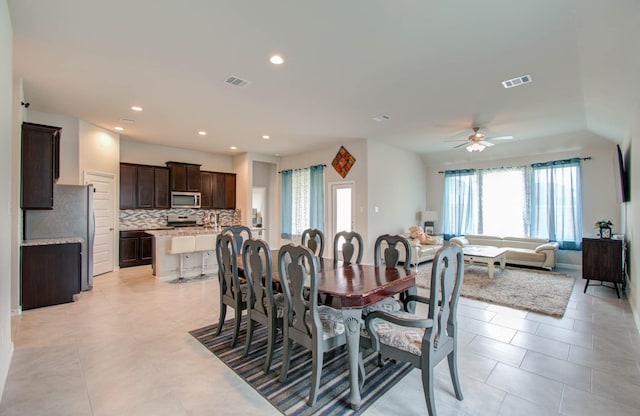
[72,216]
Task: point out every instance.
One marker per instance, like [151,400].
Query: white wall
[397,187]
[18,117]
[632,209]
[6,103]
[69,171]
[269,178]
[147,154]
[99,150]
[600,190]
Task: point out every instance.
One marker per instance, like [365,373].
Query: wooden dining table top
[355,285]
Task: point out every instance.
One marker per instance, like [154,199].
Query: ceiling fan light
[475,147]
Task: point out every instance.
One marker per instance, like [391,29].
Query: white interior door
[342,209]
[104,210]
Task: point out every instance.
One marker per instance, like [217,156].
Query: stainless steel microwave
[185,199]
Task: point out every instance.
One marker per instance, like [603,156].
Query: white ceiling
[434,67]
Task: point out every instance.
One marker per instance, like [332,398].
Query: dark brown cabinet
[128,186]
[161,189]
[146,185]
[143,186]
[40,165]
[230,191]
[218,190]
[50,274]
[206,181]
[136,248]
[185,177]
[603,260]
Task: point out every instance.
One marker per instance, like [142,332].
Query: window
[302,200]
[542,201]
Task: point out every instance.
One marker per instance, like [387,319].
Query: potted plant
[605,228]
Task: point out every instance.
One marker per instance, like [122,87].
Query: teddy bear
[418,234]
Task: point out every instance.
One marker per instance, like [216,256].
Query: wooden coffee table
[487,256]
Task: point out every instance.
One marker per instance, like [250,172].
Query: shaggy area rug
[527,289]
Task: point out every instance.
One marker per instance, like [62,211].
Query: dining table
[353,287]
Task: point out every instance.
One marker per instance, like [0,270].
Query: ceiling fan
[477,141]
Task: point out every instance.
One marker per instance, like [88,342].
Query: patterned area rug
[531,290]
[290,397]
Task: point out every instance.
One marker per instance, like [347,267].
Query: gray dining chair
[316,327]
[233,293]
[388,251]
[394,246]
[343,242]
[240,234]
[264,307]
[313,239]
[424,342]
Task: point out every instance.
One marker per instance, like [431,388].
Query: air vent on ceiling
[515,82]
[237,82]
[382,117]
[126,121]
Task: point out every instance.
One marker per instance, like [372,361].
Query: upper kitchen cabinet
[206,180]
[40,165]
[146,184]
[230,191]
[218,190]
[161,188]
[185,177]
[143,186]
[128,186]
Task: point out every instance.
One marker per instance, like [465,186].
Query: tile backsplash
[139,219]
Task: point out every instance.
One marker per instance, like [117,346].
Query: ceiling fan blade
[501,138]
[461,144]
[486,143]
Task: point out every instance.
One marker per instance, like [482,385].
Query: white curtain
[301,198]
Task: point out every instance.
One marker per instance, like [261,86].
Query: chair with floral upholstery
[316,327]
[313,239]
[424,342]
[394,246]
[233,293]
[264,306]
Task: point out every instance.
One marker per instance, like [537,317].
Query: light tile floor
[124,349]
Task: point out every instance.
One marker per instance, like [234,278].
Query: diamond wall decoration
[343,161]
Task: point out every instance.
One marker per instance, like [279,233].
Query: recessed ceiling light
[276,60]
[202,133]
[233,148]
[266,137]
[118,128]
[136,108]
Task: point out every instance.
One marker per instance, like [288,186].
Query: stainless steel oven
[185,199]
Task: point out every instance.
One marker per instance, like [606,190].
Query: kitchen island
[166,266]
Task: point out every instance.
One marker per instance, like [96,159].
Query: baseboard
[17,311]
[5,362]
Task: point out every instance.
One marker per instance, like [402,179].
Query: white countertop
[50,241]
[181,231]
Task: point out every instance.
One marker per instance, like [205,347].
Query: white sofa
[535,252]
[424,252]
